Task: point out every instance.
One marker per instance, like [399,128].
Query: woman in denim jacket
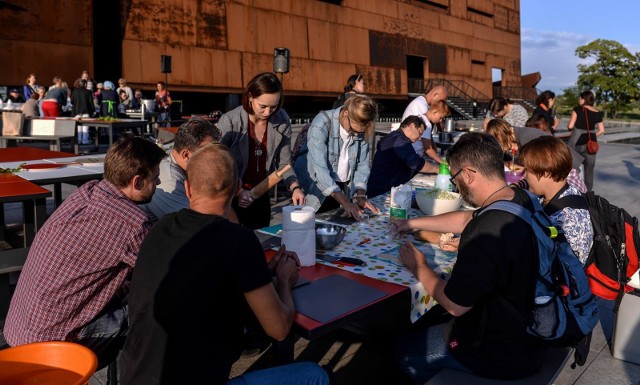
[333,166]
[258,133]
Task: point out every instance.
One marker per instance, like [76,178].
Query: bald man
[419,106]
[197,280]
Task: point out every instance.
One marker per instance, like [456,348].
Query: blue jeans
[302,373]
[607,317]
[106,333]
[423,353]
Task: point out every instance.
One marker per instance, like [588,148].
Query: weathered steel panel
[386,50]
[190,23]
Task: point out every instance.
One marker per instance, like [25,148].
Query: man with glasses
[496,262]
[396,162]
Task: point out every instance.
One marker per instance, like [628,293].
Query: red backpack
[613,258]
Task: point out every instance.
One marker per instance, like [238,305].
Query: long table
[111,125]
[383,271]
[72,173]
[25,186]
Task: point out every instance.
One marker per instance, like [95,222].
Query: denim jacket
[234,126]
[319,158]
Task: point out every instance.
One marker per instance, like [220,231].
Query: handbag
[592,145]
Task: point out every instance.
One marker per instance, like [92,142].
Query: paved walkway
[359,357]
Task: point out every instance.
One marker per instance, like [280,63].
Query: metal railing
[459,88]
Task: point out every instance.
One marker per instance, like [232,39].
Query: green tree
[569,99]
[613,74]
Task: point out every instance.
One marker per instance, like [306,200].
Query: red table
[15,189]
[311,329]
[15,154]
[34,206]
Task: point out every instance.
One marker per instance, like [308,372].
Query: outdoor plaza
[347,315]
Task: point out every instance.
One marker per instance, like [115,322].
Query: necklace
[492,194]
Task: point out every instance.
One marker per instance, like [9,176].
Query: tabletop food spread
[372,244]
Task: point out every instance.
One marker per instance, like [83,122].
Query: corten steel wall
[45,37]
[217,46]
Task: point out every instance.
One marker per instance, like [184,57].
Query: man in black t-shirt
[197,280]
[496,257]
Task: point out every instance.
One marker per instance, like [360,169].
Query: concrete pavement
[360,359]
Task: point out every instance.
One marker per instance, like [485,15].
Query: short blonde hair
[212,171]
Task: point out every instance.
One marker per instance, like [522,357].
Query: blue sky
[552,30]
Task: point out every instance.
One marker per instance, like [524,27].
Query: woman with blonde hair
[333,165]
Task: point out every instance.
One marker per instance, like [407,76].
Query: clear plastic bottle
[442,180]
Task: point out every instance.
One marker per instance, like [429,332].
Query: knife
[345,260]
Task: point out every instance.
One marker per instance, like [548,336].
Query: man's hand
[364,203]
[286,265]
[398,226]
[244,198]
[298,198]
[412,258]
[353,210]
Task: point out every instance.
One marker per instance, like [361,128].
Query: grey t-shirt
[170,195]
[525,135]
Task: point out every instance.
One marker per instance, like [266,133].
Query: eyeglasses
[453,178]
[351,130]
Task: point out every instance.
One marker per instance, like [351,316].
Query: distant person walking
[355,85]
[585,117]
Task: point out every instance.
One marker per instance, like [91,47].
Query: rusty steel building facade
[217,46]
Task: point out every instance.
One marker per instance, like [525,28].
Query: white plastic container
[442,180]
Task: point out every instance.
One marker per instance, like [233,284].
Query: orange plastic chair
[44,363]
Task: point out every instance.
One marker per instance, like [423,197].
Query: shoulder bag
[592,145]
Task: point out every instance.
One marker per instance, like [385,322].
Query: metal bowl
[329,236]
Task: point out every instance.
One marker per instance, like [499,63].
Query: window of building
[334,2]
[479,12]
[434,4]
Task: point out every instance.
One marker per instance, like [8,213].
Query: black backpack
[300,146]
[613,258]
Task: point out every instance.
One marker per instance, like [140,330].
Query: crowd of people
[84,99]
[158,262]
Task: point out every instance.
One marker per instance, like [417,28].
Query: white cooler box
[58,127]
[626,332]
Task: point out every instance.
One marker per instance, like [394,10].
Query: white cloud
[552,53]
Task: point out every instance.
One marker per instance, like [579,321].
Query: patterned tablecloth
[372,243]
